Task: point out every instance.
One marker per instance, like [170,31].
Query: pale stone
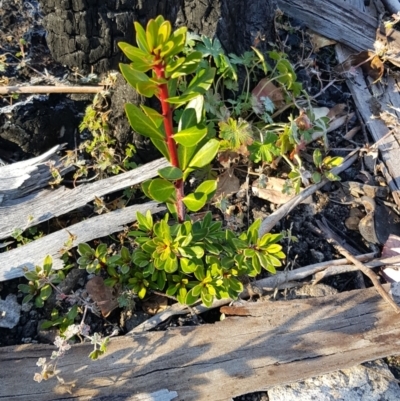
[372,381]
[10,312]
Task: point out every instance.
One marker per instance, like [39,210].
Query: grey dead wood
[22,178]
[27,256]
[392,6]
[271,343]
[42,206]
[338,20]
[280,280]
[372,100]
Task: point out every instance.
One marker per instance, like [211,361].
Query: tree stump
[85,33]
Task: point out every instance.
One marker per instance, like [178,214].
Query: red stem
[169,132]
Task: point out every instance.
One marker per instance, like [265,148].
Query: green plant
[42,281]
[23,237]
[190,261]
[199,260]
[188,146]
[324,166]
[63,321]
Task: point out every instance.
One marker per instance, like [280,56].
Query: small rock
[10,312]
[370,381]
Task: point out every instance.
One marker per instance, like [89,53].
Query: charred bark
[85,33]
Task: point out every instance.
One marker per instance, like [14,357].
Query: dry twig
[9,90]
[369,273]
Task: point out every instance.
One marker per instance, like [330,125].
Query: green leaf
[203,157]
[25,288]
[171,264]
[142,61]
[178,39]
[31,275]
[142,292]
[171,173]
[154,116]
[145,222]
[45,292]
[160,189]
[141,123]
[201,82]
[95,354]
[317,157]
[27,298]
[190,137]
[138,80]
[198,86]
[171,290]
[188,266]
[73,312]
[196,104]
[141,37]
[185,154]
[188,119]
[207,299]
[152,34]
[191,298]
[203,193]
[331,162]
[161,145]
[145,188]
[47,264]
[331,176]
[316,177]
[85,250]
[164,32]
[189,66]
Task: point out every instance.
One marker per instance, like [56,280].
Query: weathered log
[372,108]
[20,179]
[40,207]
[338,20]
[273,343]
[13,263]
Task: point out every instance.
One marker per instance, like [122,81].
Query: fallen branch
[51,203]
[13,263]
[9,90]
[370,274]
[266,284]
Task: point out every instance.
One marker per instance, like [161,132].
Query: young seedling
[157,66]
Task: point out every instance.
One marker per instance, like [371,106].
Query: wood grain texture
[22,178]
[40,207]
[27,256]
[340,20]
[371,100]
[274,343]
